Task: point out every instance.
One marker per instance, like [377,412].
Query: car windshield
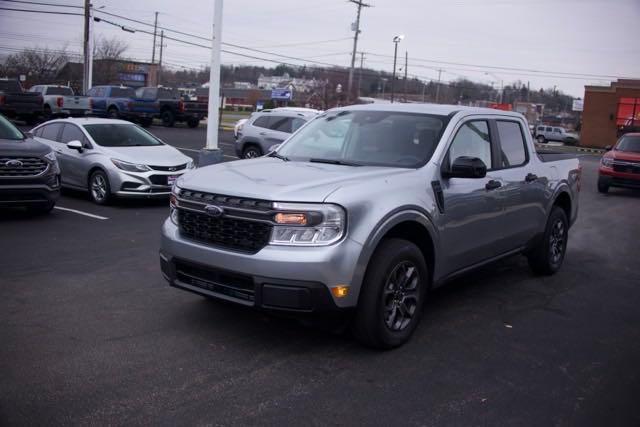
[9,131]
[121,135]
[59,90]
[367,138]
[630,144]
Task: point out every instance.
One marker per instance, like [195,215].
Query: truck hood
[157,155]
[624,155]
[278,180]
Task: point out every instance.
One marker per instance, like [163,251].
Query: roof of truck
[437,109]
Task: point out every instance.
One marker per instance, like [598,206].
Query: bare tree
[109,48]
[40,64]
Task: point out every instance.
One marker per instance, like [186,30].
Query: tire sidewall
[541,139]
[108,185]
[556,214]
[250,148]
[168,119]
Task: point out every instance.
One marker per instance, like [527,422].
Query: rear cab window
[513,148]
[122,92]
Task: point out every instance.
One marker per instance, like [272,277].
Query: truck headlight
[173,209]
[607,162]
[130,167]
[302,224]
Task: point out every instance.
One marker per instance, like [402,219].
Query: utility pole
[438,87]
[88,49]
[360,5]
[155,30]
[360,77]
[160,61]
[406,64]
[211,153]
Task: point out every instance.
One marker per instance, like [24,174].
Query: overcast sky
[596,37]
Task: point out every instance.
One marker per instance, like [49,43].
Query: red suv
[620,166]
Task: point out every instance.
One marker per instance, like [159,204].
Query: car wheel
[547,256]
[603,185]
[112,113]
[99,188]
[541,139]
[193,123]
[168,118]
[42,209]
[251,152]
[392,295]
[47,113]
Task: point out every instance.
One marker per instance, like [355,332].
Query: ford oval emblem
[214,211]
[14,164]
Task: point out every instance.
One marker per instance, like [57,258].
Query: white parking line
[197,151]
[90,215]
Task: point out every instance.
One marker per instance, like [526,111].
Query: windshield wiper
[278,156]
[334,162]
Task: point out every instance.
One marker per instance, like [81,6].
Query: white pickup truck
[60,101]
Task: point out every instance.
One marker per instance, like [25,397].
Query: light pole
[397,39]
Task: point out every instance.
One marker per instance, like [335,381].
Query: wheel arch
[563,200]
[92,169]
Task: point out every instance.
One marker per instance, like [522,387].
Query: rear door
[76,163]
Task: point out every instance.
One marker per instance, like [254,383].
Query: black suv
[29,172]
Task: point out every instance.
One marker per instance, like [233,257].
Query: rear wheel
[112,113]
[547,256]
[603,185]
[168,118]
[99,188]
[193,123]
[251,152]
[392,296]
[541,139]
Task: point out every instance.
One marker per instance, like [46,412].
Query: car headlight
[130,167]
[607,162]
[301,224]
[173,210]
[191,165]
[51,157]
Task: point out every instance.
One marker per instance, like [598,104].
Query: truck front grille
[626,167]
[237,234]
[21,166]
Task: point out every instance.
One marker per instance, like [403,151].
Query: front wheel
[392,295]
[99,188]
[112,113]
[603,185]
[251,152]
[547,256]
[541,139]
[193,123]
[168,118]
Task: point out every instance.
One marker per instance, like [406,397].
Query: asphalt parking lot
[92,334]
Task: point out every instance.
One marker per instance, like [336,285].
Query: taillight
[181,106]
[60,101]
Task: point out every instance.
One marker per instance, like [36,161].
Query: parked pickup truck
[16,103]
[367,208]
[168,106]
[117,102]
[60,101]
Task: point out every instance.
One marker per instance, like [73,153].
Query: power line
[44,4]
[41,11]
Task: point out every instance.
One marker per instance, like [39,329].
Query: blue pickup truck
[119,102]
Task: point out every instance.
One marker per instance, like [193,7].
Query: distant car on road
[29,172]
[61,101]
[267,129]
[620,165]
[167,105]
[545,134]
[16,103]
[111,158]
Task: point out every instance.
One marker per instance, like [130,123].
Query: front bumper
[294,279]
[150,184]
[27,195]
[619,179]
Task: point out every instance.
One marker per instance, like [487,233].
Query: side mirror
[608,148]
[75,145]
[29,134]
[467,167]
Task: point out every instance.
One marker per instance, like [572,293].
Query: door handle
[493,184]
[531,177]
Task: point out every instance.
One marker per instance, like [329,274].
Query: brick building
[609,110]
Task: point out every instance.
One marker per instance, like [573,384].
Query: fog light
[340,291]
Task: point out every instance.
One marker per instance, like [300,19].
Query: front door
[76,164]
[472,209]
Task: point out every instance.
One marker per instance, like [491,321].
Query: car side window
[73,133]
[261,122]
[540,128]
[472,140]
[549,129]
[513,149]
[51,131]
[281,124]
[297,124]
[38,132]
[557,130]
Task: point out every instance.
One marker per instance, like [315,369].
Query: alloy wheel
[400,295]
[99,187]
[557,241]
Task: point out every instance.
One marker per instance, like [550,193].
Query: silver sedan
[110,158]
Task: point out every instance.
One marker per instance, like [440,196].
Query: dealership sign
[578,105]
[281,94]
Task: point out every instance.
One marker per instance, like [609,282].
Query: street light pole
[360,5]
[211,153]
[396,40]
[88,48]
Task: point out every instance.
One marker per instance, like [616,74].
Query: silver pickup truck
[60,101]
[368,208]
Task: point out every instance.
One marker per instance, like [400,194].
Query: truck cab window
[472,140]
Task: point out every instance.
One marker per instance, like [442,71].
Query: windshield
[630,144]
[59,90]
[121,135]
[368,138]
[9,131]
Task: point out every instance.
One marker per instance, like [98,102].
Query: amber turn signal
[291,218]
[340,291]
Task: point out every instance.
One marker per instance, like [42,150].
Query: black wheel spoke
[400,295]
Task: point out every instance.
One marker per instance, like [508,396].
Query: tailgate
[196,107]
[75,102]
[24,102]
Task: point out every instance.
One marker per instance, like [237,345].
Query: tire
[146,122]
[193,123]
[547,256]
[603,185]
[380,296]
[42,209]
[47,113]
[99,188]
[113,113]
[541,139]
[251,152]
[168,118]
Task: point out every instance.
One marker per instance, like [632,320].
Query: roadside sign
[281,94]
[23,77]
[578,105]
[259,105]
